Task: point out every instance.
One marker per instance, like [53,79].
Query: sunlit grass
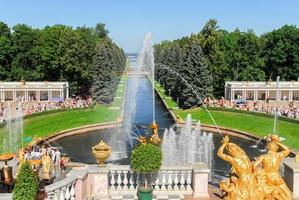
[256,125]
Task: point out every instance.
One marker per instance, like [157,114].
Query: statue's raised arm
[221,149]
[285,151]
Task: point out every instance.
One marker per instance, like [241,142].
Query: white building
[261,90]
[40,91]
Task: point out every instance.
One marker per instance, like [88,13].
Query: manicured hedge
[260,114]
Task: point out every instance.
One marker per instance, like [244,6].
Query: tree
[101,31]
[195,72]
[209,39]
[26,185]
[25,54]
[5,51]
[146,158]
[107,68]
[281,53]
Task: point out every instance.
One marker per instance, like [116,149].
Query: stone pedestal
[98,184]
[291,176]
[200,180]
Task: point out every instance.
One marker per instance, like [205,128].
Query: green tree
[5,51]
[209,39]
[101,31]
[25,53]
[242,51]
[26,185]
[146,158]
[281,53]
[195,72]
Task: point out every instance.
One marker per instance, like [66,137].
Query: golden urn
[101,152]
[7,170]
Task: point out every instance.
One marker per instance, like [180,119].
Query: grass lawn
[48,124]
[252,124]
[45,125]
[170,102]
[256,125]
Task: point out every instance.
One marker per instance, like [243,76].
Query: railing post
[291,176]
[80,187]
[200,180]
[98,181]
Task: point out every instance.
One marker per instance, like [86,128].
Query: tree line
[209,58]
[61,53]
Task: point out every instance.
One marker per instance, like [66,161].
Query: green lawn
[45,125]
[257,125]
[170,102]
[51,123]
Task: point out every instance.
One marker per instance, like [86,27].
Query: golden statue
[245,185]
[21,155]
[46,161]
[101,152]
[35,141]
[142,140]
[155,137]
[274,186]
[297,157]
[249,182]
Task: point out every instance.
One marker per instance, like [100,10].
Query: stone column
[255,95]
[1,96]
[200,180]
[14,95]
[291,176]
[278,95]
[290,95]
[38,95]
[67,92]
[232,95]
[60,94]
[49,95]
[267,94]
[26,95]
[244,94]
[98,181]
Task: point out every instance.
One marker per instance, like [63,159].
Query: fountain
[187,145]
[11,138]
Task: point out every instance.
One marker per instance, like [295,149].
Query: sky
[129,20]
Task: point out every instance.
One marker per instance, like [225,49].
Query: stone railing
[168,180]
[115,180]
[92,181]
[66,188]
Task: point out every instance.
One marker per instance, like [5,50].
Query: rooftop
[24,84]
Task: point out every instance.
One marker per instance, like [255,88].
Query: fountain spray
[275,113]
[194,92]
[146,61]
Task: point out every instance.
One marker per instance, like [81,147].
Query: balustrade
[168,179]
[121,180]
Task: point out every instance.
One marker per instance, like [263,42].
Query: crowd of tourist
[30,107]
[36,153]
[290,110]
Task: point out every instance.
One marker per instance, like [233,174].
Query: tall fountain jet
[146,62]
[187,145]
[13,135]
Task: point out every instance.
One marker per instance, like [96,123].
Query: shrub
[146,158]
[26,186]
